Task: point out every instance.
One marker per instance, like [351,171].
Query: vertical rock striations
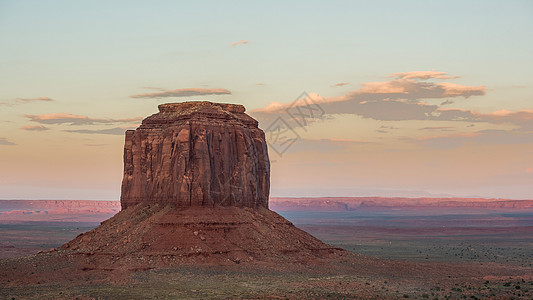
[197,154]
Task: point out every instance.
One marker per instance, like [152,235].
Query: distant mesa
[391,203]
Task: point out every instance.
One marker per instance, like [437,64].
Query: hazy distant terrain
[438,205]
[441,229]
[421,229]
[29,226]
[56,210]
[491,235]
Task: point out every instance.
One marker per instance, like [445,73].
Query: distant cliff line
[294,203]
[373,203]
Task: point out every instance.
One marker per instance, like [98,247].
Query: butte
[195,191]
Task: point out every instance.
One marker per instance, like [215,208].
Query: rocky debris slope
[198,235]
[197,154]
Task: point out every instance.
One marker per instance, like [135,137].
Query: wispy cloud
[340,84]
[243,42]
[386,129]
[188,92]
[153,88]
[411,89]
[65,118]
[423,75]
[34,127]
[111,131]
[441,128]
[19,101]
[455,90]
[5,142]
[34,99]
[523,118]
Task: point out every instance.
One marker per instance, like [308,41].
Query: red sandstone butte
[175,157]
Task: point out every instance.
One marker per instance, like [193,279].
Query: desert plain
[424,248]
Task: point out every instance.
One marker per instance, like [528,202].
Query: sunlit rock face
[197,154]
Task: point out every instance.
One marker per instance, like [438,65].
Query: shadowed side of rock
[197,154]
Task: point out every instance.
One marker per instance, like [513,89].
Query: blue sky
[90,57]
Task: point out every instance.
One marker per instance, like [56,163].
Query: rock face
[197,154]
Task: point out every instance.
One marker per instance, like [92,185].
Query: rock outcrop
[197,154]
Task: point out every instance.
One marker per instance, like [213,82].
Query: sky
[357,98]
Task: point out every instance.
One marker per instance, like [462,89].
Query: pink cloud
[340,84]
[153,88]
[66,118]
[34,127]
[34,99]
[402,99]
[271,107]
[56,116]
[423,75]
[523,115]
[523,118]
[187,92]
[19,101]
[111,131]
[420,90]
[243,42]
[274,107]
[441,128]
[453,89]
[386,87]
[403,92]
